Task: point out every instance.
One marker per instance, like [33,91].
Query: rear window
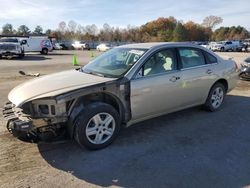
[191,57]
[247,60]
[210,58]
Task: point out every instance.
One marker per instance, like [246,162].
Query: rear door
[198,74]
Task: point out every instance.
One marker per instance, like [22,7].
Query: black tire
[83,120]
[44,51]
[222,49]
[209,102]
[21,56]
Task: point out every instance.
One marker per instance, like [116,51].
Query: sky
[120,13]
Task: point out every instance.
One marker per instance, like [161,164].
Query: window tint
[247,60]
[160,62]
[191,57]
[210,58]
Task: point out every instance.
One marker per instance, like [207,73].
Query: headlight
[43,108]
[48,108]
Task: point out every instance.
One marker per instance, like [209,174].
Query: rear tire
[97,126]
[215,97]
[44,51]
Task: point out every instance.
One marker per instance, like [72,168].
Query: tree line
[159,30]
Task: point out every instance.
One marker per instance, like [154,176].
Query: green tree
[23,30]
[180,33]
[38,30]
[7,29]
[48,32]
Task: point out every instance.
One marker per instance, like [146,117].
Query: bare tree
[62,26]
[212,21]
[72,25]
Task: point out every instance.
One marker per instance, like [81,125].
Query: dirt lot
[191,148]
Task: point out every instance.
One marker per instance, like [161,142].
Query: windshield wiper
[93,73]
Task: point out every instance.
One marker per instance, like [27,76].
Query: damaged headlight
[48,108]
[44,108]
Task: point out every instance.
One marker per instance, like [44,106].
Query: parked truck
[10,47]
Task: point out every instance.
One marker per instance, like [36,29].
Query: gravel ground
[191,148]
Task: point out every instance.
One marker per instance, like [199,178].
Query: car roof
[158,44]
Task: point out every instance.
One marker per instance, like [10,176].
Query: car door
[156,89]
[197,73]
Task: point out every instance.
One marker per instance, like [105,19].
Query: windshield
[115,62]
[9,40]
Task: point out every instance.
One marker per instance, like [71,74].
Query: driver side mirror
[23,42]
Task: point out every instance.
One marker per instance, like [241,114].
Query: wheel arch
[82,101]
[224,82]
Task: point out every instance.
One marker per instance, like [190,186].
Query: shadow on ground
[191,148]
[33,58]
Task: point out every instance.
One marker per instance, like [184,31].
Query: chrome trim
[155,75]
[199,66]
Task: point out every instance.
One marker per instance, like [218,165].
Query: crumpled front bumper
[10,53]
[17,122]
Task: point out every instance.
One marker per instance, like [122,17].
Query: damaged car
[126,85]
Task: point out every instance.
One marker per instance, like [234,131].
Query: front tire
[215,98]
[97,126]
[21,56]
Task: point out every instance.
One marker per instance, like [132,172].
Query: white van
[40,44]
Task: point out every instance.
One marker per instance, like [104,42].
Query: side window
[160,62]
[191,57]
[210,58]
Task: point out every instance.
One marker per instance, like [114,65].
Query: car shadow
[32,58]
[58,54]
[190,148]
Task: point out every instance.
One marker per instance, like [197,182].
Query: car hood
[52,85]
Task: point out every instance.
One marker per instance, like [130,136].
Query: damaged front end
[43,119]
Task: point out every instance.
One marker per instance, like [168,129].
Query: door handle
[174,78]
[209,71]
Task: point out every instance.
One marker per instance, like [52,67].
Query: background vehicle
[40,44]
[123,86]
[227,46]
[202,43]
[58,46]
[80,45]
[246,45]
[245,69]
[10,47]
[103,47]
